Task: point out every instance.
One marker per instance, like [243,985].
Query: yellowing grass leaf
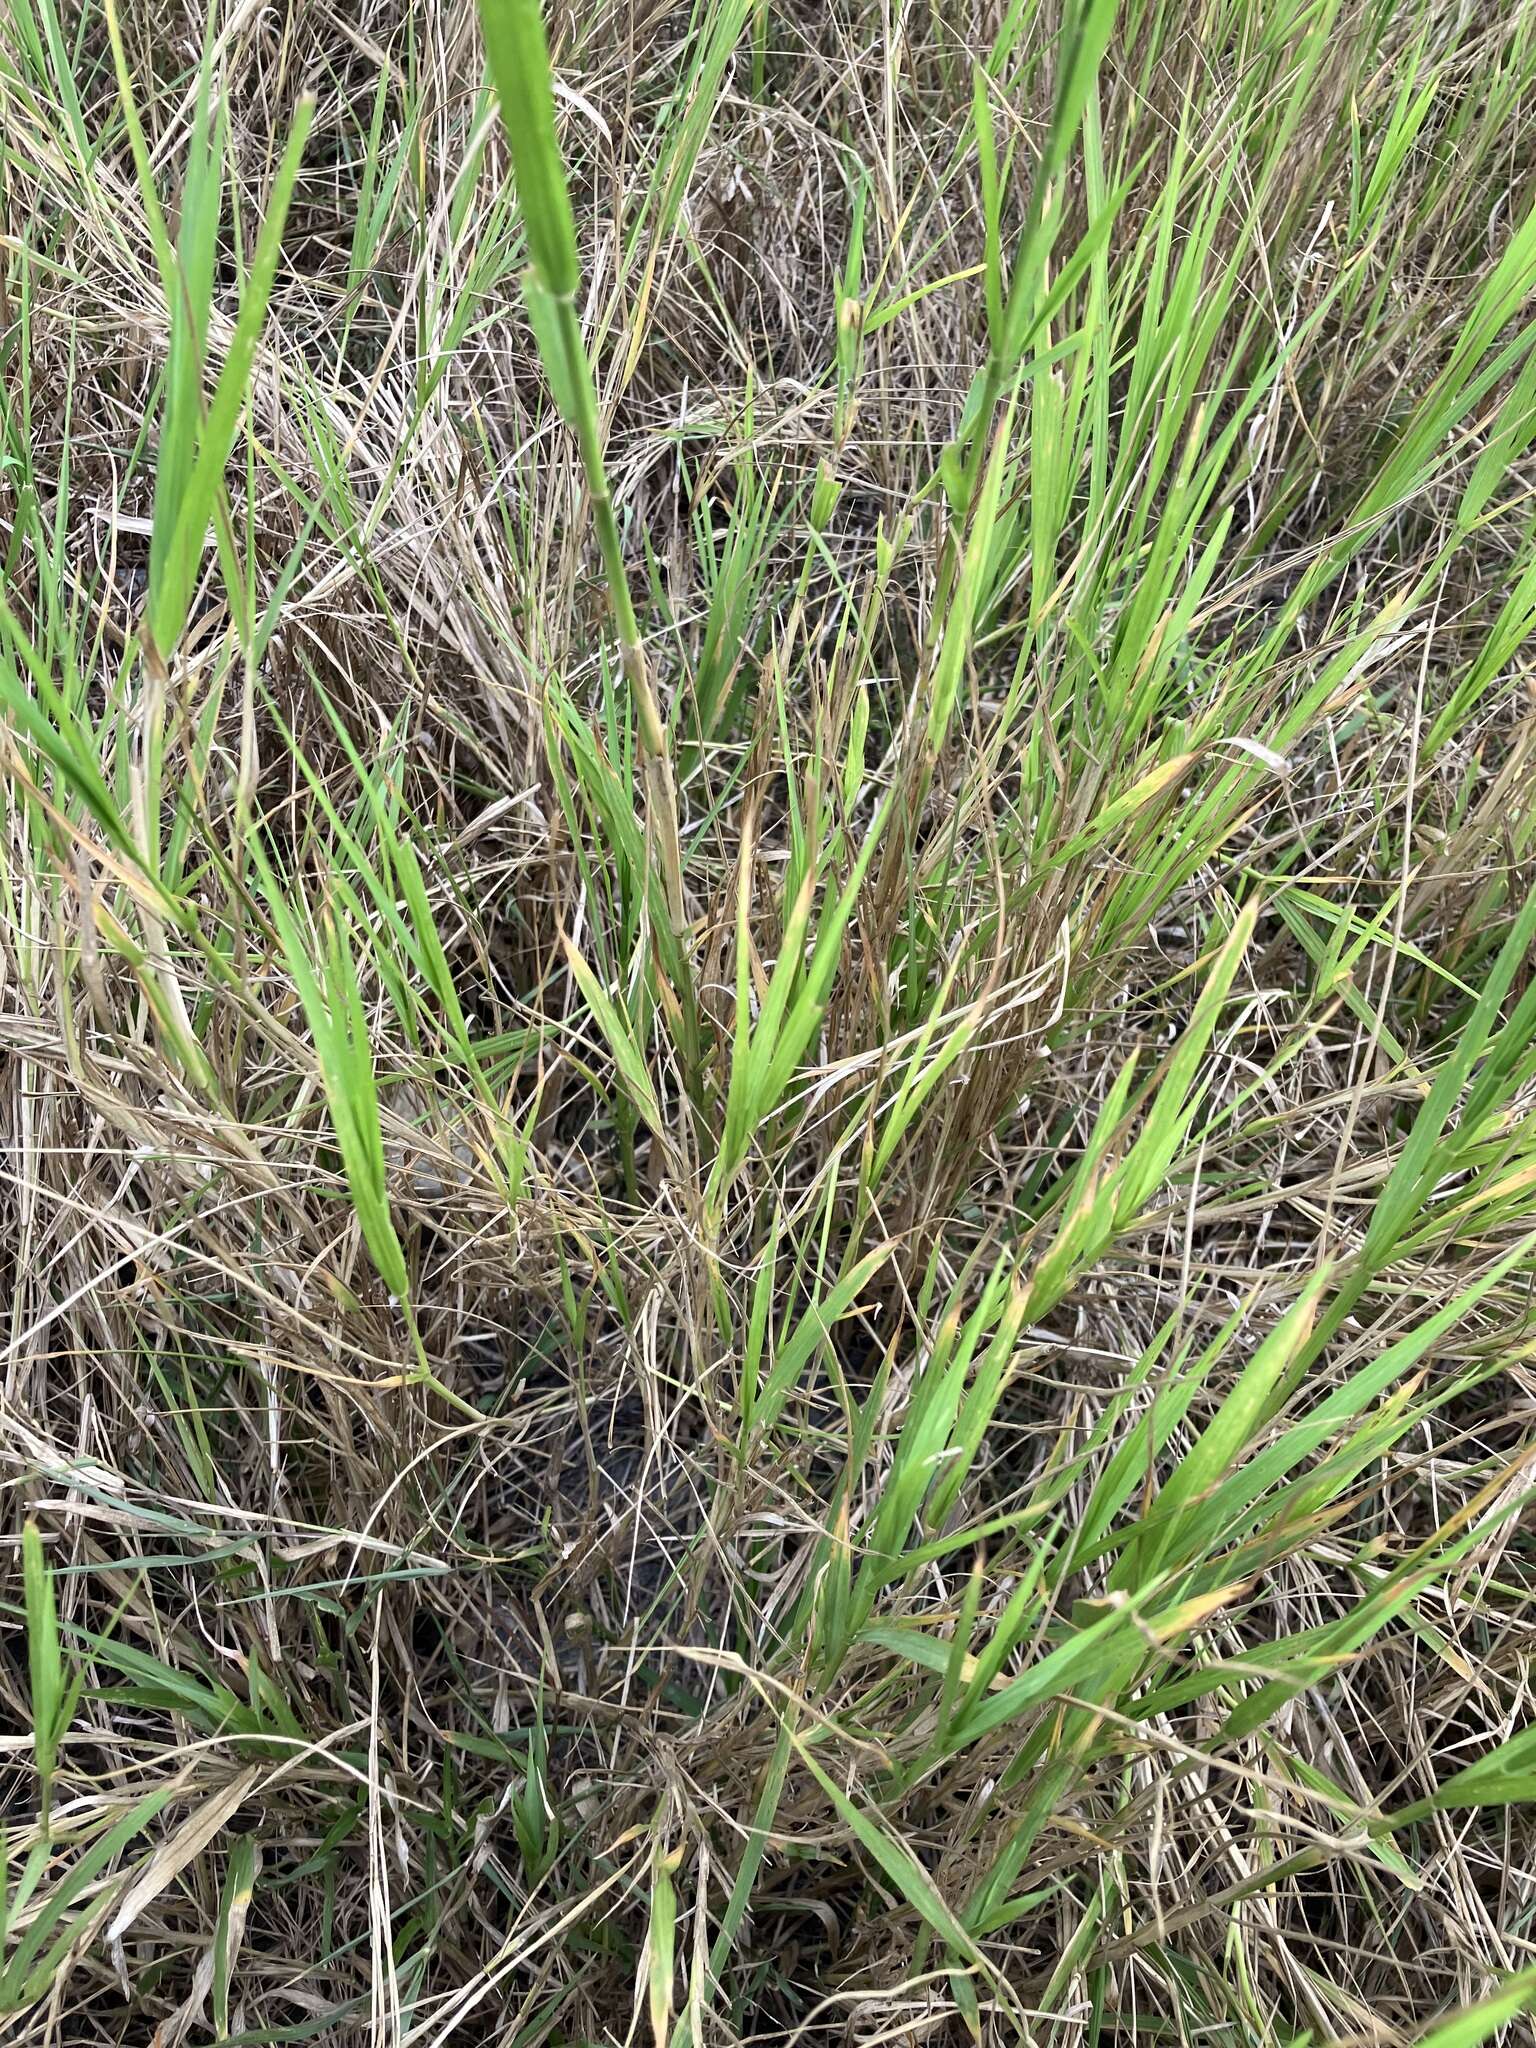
[661,1948]
[178,1849]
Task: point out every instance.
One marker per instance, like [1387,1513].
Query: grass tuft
[767,1032]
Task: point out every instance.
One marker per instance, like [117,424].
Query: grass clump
[769,1195]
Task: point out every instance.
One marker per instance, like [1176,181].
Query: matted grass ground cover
[767,1022]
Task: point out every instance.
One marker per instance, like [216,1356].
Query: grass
[768,1175]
